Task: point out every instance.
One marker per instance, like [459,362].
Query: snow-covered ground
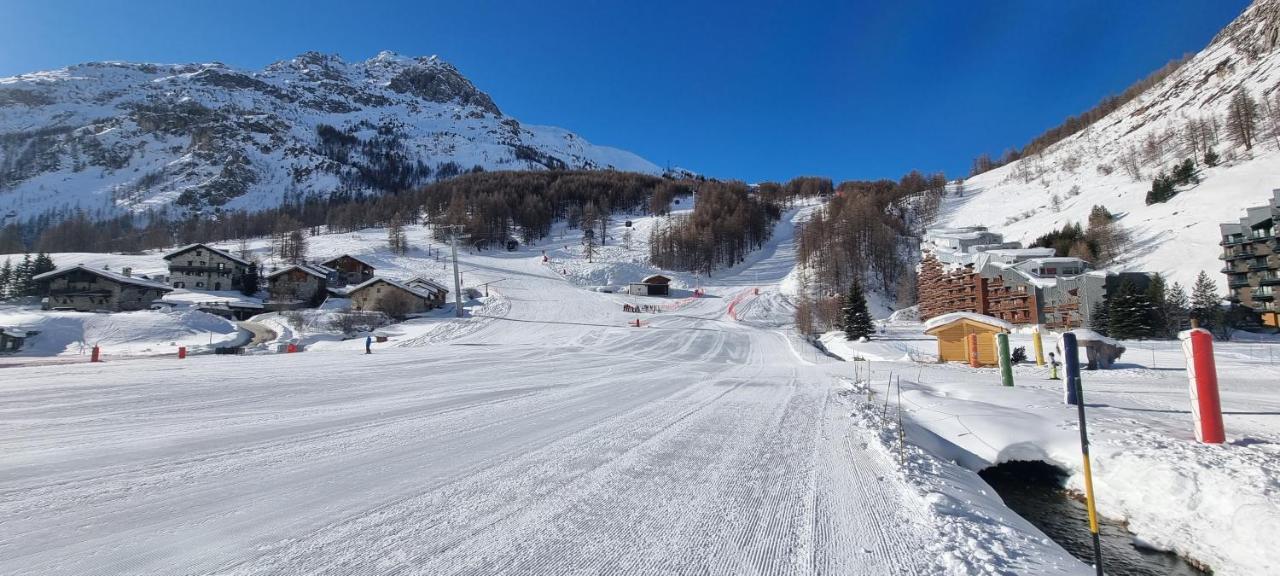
[1216,504]
[542,433]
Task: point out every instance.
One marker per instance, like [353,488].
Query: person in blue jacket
[368,344]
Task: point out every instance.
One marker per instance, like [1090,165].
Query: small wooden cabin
[656,285]
[953,330]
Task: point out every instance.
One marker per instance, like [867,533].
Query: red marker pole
[1206,407]
[182,352]
[973,350]
[97,354]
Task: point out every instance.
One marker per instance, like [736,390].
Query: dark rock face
[439,82]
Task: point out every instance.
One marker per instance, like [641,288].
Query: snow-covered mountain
[1178,238]
[113,136]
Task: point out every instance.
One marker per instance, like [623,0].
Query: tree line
[16,280]
[727,222]
[867,233]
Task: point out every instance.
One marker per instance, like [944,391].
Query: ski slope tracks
[541,433]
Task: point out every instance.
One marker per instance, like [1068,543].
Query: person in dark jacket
[368,344]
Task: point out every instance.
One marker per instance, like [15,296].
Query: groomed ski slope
[546,438]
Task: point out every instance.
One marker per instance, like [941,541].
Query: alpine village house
[87,289]
[203,267]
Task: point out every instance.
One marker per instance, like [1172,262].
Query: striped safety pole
[1072,360]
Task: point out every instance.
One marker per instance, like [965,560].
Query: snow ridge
[1178,238]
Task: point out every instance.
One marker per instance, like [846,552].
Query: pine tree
[43,263]
[249,282]
[1100,318]
[21,284]
[1157,320]
[1206,304]
[857,320]
[1210,158]
[1176,309]
[6,276]
[1129,313]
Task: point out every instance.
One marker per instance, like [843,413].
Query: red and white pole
[1206,407]
[971,342]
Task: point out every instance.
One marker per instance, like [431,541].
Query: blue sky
[751,89]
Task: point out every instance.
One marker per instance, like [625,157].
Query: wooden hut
[953,330]
[656,285]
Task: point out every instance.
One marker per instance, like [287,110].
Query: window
[199,284]
[199,253]
[221,266]
[188,262]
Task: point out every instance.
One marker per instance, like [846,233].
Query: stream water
[1035,491]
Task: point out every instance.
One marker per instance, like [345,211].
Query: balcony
[1236,255]
[175,269]
[1258,297]
[1232,241]
[1268,280]
[1237,281]
[1255,266]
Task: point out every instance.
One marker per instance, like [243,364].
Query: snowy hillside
[115,136]
[1178,238]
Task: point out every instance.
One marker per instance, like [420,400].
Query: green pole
[1006,365]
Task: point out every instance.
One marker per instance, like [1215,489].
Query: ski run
[544,433]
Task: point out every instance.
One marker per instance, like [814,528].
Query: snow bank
[122,334]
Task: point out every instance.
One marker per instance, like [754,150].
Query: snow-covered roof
[428,282]
[945,319]
[1020,252]
[222,253]
[313,269]
[341,256]
[400,285]
[121,278]
[1087,335]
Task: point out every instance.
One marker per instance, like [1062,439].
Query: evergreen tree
[43,263]
[1129,313]
[1210,158]
[1206,304]
[6,276]
[21,284]
[857,320]
[1177,309]
[249,282]
[1157,319]
[1100,318]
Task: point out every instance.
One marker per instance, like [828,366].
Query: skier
[368,344]
[1053,367]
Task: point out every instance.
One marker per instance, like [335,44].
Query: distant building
[656,285]
[1058,292]
[11,339]
[438,292]
[203,267]
[300,285]
[89,289]
[960,245]
[351,270]
[392,297]
[1251,249]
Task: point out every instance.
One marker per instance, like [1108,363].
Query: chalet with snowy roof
[351,270]
[203,267]
[437,290]
[392,297]
[89,289]
[300,285]
[11,339]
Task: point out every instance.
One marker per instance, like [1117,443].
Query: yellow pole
[1038,345]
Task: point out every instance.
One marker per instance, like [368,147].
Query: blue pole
[1071,361]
